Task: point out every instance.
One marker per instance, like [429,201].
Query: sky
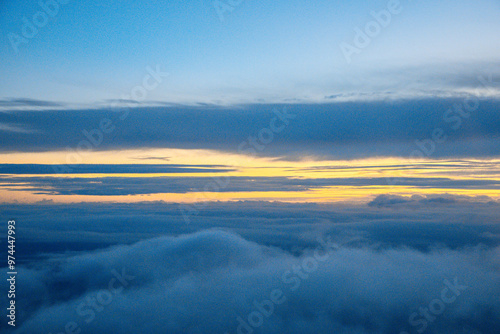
[275,98]
[250,167]
[271,51]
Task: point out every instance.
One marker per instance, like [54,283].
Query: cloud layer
[205,282]
[105,186]
[458,127]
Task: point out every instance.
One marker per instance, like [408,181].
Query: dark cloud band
[434,127]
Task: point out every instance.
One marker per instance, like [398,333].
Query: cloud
[129,185]
[338,130]
[152,158]
[108,169]
[15,129]
[289,226]
[26,102]
[387,201]
[202,283]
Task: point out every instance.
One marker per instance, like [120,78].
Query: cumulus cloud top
[429,200]
[212,281]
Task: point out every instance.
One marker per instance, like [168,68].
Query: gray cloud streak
[337,130]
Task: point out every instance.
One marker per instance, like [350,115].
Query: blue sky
[268,51]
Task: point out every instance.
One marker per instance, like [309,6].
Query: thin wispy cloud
[26,102]
[5,127]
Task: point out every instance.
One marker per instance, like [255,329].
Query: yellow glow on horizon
[252,167]
[323,195]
